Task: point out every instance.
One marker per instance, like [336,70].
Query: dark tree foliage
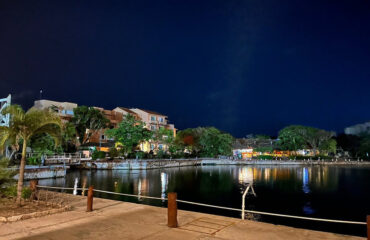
[205,141]
[88,118]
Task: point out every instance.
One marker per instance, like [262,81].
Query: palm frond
[53,130]
[16,112]
[4,135]
[37,119]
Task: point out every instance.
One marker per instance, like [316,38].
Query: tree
[205,142]
[87,120]
[69,137]
[130,133]
[24,125]
[215,143]
[165,136]
[299,137]
[364,148]
[188,140]
[349,143]
[290,138]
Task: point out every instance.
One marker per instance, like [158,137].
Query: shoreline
[169,163]
[59,171]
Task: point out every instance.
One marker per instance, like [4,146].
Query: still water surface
[336,192]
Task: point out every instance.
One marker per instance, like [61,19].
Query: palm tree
[23,125]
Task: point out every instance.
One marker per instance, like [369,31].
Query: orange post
[33,187]
[368,227]
[172,210]
[90,195]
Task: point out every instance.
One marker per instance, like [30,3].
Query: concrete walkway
[121,220]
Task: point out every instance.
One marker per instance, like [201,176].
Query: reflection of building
[164,184]
[245,175]
[305,178]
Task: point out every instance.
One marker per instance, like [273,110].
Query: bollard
[33,187]
[368,227]
[90,195]
[172,210]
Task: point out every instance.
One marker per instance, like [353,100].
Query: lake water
[335,192]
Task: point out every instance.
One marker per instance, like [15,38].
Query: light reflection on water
[317,191]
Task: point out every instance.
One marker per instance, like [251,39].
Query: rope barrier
[129,195]
[61,188]
[219,207]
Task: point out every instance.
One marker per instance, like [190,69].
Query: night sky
[251,66]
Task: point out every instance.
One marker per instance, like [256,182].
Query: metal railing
[243,211]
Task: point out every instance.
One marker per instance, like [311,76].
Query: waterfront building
[152,120]
[126,111]
[98,138]
[358,129]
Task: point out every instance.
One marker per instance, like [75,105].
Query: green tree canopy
[130,133]
[87,120]
[300,137]
[205,141]
[23,126]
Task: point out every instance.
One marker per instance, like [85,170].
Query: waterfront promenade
[122,220]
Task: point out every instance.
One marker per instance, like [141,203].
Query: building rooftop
[128,110]
[152,112]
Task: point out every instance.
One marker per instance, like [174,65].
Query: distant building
[154,120]
[126,111]
[63,109]
[98,138]
[358,129]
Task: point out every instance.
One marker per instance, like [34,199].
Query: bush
[34,160]
[113,153]
[6,175]
[162,154]
[12,192]
[265,157]
[141,155]
[98,155]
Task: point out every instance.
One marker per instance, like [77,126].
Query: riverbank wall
[42,172]
[119,164]
[139,164]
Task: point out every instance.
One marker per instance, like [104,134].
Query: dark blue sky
[251,66]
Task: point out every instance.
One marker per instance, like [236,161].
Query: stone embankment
[119,164]
[41,172]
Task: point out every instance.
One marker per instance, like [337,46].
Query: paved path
[121,220]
